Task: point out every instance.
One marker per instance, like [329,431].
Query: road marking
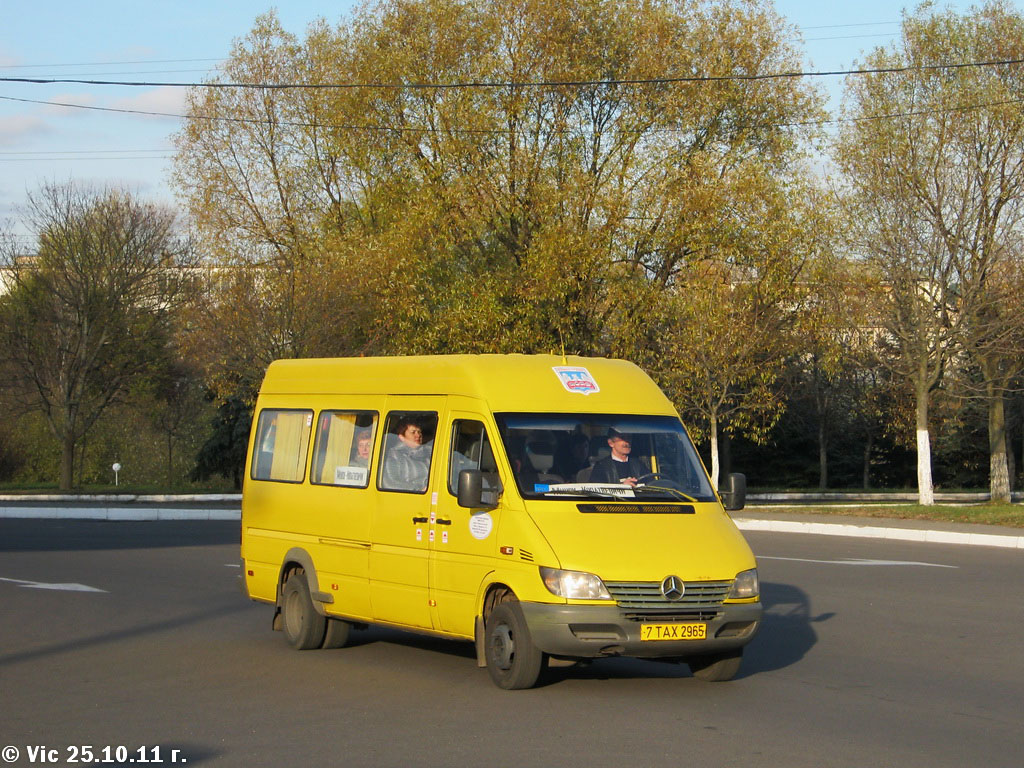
[857,561]
[232,565]
[59,587]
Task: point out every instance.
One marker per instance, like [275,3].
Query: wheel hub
[504,646]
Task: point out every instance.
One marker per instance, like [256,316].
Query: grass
[987,514]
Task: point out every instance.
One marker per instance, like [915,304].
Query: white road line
[59,587]
[856,561]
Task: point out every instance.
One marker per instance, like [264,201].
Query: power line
[491,131]
[105,63]
[860,24]
[84,151]
[524,84]
[66,159]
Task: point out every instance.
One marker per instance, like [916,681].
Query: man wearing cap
[620,467]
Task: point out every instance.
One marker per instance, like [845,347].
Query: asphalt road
[912,658]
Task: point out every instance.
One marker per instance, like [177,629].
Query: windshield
[603,456]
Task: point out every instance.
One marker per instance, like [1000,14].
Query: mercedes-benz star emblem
[673,588]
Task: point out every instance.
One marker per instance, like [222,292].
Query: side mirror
[734,495]
[471,488]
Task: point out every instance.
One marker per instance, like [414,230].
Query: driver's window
[471,450]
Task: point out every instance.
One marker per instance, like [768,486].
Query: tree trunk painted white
[715,468]
[925,489]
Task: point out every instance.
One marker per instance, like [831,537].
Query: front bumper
[592,631]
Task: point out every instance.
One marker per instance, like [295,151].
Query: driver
[620,467]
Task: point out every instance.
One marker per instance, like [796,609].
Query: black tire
[513,661]
[303,626]
[718,667]
[337,634]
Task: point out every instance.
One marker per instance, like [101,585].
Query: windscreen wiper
[639,489]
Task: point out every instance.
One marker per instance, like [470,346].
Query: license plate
[690,631]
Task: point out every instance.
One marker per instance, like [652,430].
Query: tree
[92,309]
[506,175]
[224,452]
[934,159]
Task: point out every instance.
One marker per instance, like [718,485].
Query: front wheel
[716,668]
[513,661]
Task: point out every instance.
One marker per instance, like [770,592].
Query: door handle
[421,519]
[439,521]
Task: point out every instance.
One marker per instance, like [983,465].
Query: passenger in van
[619,467]
[407,460]
[364,442]
[572,456]
[525,474]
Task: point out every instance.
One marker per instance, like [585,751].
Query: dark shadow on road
[127,633]
[785,636]
[22,535]
[787,630]
[376,634]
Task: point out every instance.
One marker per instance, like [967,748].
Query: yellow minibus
[540,506]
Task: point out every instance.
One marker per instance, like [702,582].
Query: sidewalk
[228,507]
[931,531]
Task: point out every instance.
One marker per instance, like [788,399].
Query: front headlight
[745,585]
[574,585]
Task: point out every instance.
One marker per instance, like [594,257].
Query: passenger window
[408,447]
[472,450]
[341,453]
[282,439]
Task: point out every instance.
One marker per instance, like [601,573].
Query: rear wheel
[718,667]
[513,661]
[303,626]
[337,635]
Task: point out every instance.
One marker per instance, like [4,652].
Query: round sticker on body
[480,526]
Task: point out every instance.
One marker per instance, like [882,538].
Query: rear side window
[282,440]
[344,443]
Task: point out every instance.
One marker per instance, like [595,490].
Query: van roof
[523,383]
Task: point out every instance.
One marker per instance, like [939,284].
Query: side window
[341,453]
[472,450]
[282,439]
[407,449]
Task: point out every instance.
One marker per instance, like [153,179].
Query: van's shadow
[785,636]
[787,629]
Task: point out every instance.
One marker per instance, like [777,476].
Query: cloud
[15,129]
[168,101]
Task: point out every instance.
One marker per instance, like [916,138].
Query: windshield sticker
[480,526]
[604,489]
[576,379]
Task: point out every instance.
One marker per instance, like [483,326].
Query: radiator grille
[643,600]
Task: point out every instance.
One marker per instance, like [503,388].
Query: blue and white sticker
[576,379]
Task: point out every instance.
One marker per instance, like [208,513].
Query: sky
[183,40]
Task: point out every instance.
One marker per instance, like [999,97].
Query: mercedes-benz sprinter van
[539,506]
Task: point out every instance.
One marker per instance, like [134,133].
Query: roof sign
[576,379]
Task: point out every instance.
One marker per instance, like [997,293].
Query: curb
[144,514]
[970,538]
